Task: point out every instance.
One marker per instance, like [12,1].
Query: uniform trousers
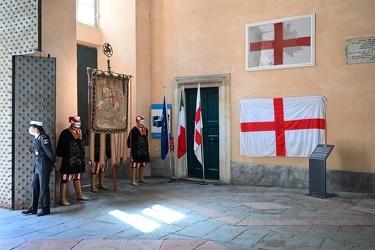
[40,188]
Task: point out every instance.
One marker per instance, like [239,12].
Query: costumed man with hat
[139,152]
[71,147]
[44,161]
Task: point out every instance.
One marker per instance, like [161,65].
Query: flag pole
[166,111]
[185,159]
[202,151]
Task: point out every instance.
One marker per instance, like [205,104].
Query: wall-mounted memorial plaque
[360,50]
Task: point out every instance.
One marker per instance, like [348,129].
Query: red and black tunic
[71,147]
[138,144]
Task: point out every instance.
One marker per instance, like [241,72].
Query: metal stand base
[327,195]
[191,181]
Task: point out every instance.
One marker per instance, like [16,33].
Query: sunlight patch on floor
[163,214]
[147,225]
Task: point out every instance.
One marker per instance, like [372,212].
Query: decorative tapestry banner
[109,102]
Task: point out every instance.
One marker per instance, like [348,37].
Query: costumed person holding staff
[71,147]
[139,152]
[44,161]
[96,169]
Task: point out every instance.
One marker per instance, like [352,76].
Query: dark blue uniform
[44,160]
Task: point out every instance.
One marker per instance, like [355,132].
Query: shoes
[41,213]
[143,181]
[82,198]
[29,211]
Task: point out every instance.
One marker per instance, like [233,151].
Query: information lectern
[317,171]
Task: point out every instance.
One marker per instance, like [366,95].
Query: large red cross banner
[281,43]
[282,126]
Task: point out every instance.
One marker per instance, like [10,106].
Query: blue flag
[164,132]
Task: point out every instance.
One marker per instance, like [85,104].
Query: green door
[210,118]
[86,57]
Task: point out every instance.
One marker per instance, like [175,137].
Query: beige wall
[127,28]
[194,37]
[208,37]
[59,40]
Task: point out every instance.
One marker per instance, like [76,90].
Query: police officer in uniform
[44,161]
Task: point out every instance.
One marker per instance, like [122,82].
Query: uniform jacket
[72,150]
[44,157]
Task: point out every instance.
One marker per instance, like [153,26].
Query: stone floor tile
[163,215]
[48,244]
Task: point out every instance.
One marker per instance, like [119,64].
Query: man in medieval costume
[71,147]
[96,168]
[139,150]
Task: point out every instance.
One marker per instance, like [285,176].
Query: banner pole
[202,153]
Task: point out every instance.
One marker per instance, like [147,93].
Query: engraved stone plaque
[360,50]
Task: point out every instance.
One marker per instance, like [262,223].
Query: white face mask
[77,124]
[141,122]
[31,132]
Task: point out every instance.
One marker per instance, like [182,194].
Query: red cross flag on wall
[282,43]
[282,126]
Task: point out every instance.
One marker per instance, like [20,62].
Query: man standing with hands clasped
[71,147]
[44,161]
[139,152]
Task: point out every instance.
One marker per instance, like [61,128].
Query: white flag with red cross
[198,128]
[287,42]
[282,126]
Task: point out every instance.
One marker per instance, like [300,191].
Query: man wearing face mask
[44,160]
[139,152]
[71,147]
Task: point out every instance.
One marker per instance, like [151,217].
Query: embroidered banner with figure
[282,126]
[109,104]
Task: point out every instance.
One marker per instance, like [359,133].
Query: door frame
[222,81]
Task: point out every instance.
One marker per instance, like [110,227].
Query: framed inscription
[360,50]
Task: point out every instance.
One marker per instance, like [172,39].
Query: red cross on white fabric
[112,96]
[279,125]
[278,44]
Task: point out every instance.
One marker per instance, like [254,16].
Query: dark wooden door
[210,118]
[86,57]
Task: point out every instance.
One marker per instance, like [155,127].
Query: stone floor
[194,215]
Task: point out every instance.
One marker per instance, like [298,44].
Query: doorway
[86,57]
[210,131]
[188,165]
